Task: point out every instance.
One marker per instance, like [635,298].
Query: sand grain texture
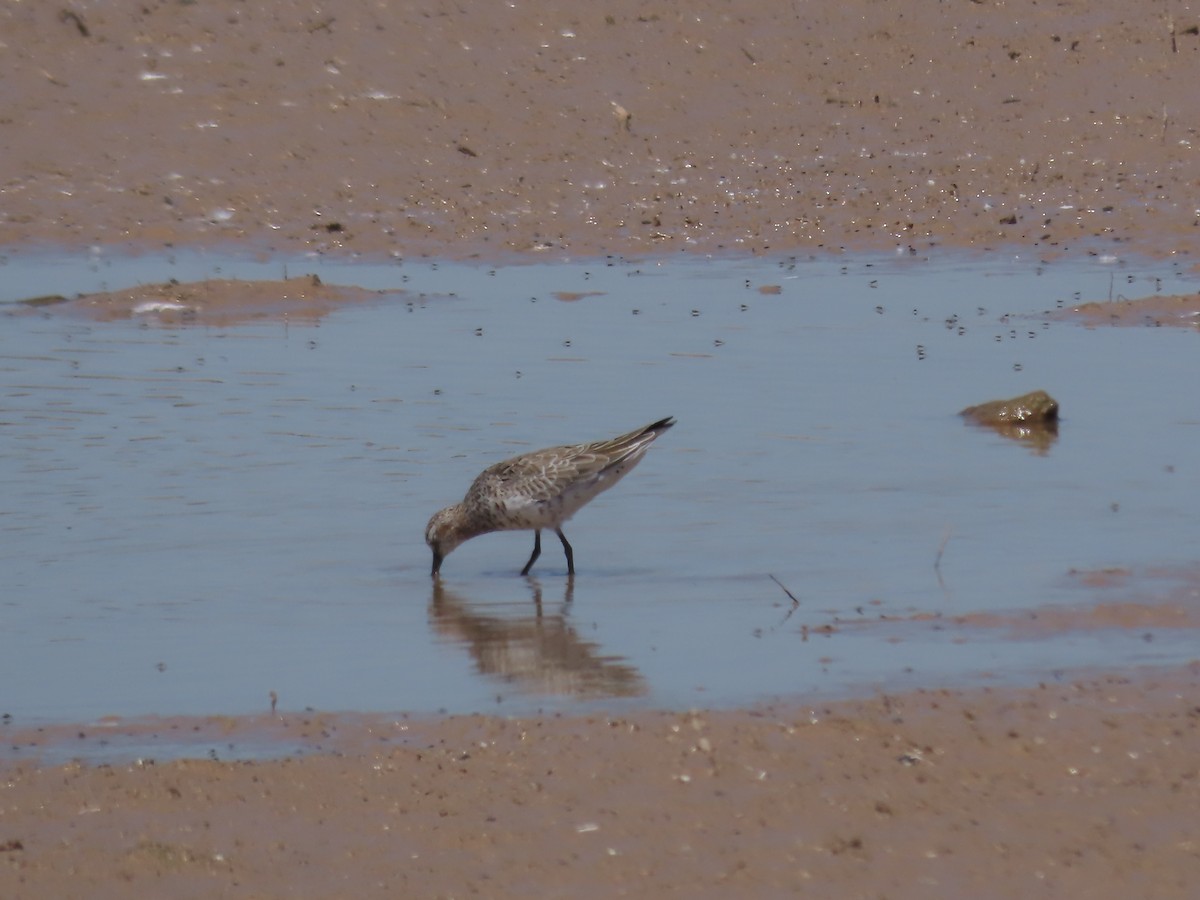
[480,128]
[1070,790]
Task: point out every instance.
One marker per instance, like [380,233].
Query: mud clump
[219,302]
[1034,408]
[1031,419]
[1173,310]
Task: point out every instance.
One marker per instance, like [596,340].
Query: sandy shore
[499,130]
[480,128]
[1087,789]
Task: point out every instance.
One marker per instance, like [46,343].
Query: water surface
[194,517]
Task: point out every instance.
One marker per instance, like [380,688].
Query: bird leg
[537,551]
[567,549]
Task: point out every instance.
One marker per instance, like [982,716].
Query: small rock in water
[1031,419]
[1034,408]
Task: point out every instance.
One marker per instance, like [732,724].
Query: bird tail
[635,442]
[660,426]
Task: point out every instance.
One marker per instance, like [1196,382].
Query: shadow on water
[202,514]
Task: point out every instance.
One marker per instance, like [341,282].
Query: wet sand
[1172,311]
[216,302]
[514,131]
[1088,789]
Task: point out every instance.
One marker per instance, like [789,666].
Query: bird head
[443,534]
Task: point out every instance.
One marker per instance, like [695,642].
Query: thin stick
[795,602]
[937,562]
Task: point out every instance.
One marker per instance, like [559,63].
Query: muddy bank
[1172,311]
[218,302]
[1085,789]
[459,130]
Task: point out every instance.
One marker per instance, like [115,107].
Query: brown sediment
[1158,599]
[484,129]
[1058,620]
[1171,310]
[218,302]
[573,296]
[1087,788]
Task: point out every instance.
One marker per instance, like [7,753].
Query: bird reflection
[530,648]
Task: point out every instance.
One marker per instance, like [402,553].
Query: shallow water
[195,517]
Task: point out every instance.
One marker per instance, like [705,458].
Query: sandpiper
[538,490]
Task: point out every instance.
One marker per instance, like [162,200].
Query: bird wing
[563,476]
